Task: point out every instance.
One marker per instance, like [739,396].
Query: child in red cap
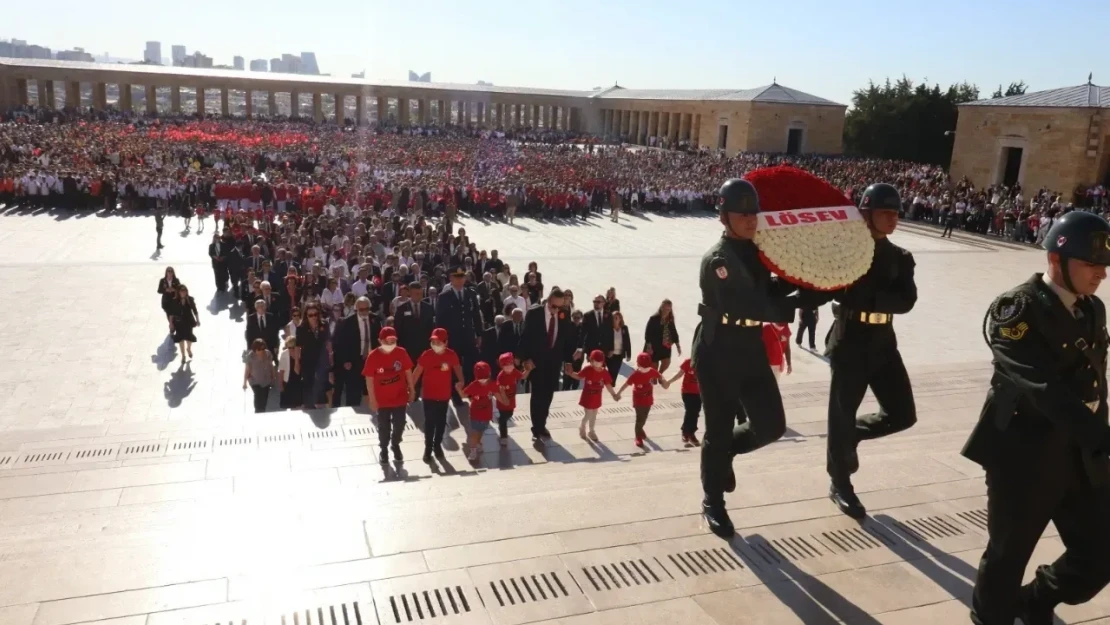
[507,379]
[691,399]
[480,392]
[389,389]
[436,365]
[642,382]
[594,377]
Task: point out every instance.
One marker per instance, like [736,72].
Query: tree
[1015,88]
[905,122]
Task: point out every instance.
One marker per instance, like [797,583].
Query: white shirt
[618,342]
[330,298]
[517,301]
[360,287]
[1068,298]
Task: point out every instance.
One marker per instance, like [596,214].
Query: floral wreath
[809,234]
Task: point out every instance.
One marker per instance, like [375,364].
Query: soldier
[863,350]
[1042,436]
[737,385]
[159,222]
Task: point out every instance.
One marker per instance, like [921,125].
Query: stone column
[45,89]
[500,113]
[175,98]
[653,126]
[294,103]
[248,101]
[125,103]
[340,108]
[200,100]
[576,119]
[644,117]
[443,113]
[100,96]
[225,104]
[422,110]
[622,125]
[271,103]
[21,91]
[482,113]
[684,129]
[73,94]
[535,115]
[402,110]
[151,99]
[318,107]
[676,123]
[383,111]
[697,130]
[634,127]
[360,110]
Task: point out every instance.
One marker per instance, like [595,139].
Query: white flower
[823,256]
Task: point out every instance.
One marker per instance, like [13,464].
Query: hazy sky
[821,47]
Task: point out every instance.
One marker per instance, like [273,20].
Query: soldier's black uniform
[1043,438]
[159,222]
[863,352]
[743,408]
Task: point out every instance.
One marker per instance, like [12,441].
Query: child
[481,406]
[594,376]
[691,399]
[642,381]
[200,219]
[776,339]
[436,365]
[507,380]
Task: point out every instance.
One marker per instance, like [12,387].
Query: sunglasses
[311,315]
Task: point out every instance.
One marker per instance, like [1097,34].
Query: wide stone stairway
[288,519]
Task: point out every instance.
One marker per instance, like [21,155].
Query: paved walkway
[135,492]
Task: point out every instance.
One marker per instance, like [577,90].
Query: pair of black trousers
[544,382]
[613,364]
[261,397]
[692,404]
[349,384]
[435,423]
[391,426]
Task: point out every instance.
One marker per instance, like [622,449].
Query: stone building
[773,118]
[1052,139]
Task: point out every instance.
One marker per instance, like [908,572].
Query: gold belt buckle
[874,318]
[749,323]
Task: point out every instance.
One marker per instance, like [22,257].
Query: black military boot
[383,457]
[844,496]
[428,453]
[397,456]
[717,517]
[730,479]
[1033,612]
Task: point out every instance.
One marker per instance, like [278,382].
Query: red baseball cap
[506,359]
[597,356]
[643,360]
[387,333]
[439,334]
[481,370]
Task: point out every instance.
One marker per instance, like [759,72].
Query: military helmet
[738,196]
[1080,235]
[880,196]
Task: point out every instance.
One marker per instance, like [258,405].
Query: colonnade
[639,126]
[484,110]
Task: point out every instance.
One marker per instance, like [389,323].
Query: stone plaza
[137,491]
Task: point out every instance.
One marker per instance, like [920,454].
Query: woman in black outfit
[660,335]
[569,383]
[185,318]
[167,288]
[617,350]
[313,341]
[612,304]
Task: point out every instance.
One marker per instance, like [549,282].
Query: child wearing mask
[594,377]
[480,393]
[642,382]
[436,365]
[507,380]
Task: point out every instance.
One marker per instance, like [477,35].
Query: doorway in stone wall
[1011,165]
[722,136]
[794,141]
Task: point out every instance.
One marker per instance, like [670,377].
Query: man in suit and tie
[262,325]
[256,260]
[414,322]
[592,324]
[457,311]
[510,332]
[356,336]
[546,348]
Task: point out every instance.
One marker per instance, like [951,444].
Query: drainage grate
[285,437]
[41,458]
[924,529]
[235,442]
[149,449]
[357,432]
[104,453]
[339,614]
[436,603]
[620,410]
[976,518]
[7,460]
[779,550]
[855,539]
[322,434]
[528,589]
[695,563]
[189,446]
[625,574]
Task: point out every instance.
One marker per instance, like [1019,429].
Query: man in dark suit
[457,311]
[356,336]
[546,348]
[592,324]
[414,322]
[262,325]
[508,335]
[489,296]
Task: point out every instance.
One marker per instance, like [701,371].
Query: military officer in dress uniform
[743,408]
[1043,436]
[863,349]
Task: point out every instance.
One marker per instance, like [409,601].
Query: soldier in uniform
[1042,436]
[743,408]
[863,349]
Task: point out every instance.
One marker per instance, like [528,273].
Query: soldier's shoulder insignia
[1008,307]
[1015,333]
[722,272]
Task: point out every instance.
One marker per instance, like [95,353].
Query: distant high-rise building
[239,63]
[259,65]
[482,83]
[177,54]
[197,59]
[76,54]
[19,49]
[276,65]
[308,63]
[291,63]
[153,52]
[361,74]
[425,77]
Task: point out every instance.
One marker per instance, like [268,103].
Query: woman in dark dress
[616,342]
[185,318]
[313,341]
[167,288]
[612,304]
[660,335]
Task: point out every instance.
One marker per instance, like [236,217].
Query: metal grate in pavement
[41,458]
[97,453]
[924,529]
[193,445]
[854,539]
[269,440]
[975,518]
[323,435]
[429,604]
[620,574]
[235,443]
[447,598]
[147,449]
[349,613]
[7,460]
[698,562]
[359,432]
[778,551]
[539,589]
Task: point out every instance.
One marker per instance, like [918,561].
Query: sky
[828,49]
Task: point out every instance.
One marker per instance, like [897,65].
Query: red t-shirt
[773,339]
[438,369]
[481,402]
[388,372]
[689,379]
[593,381]
[507,382]
[642,389]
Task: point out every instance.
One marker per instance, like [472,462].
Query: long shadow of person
[221,300]
[165,353]
[180,384]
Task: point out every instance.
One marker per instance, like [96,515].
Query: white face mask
[439,349]
[597,365]
[483,381]
[643,369]
[386,347]
[508,368]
